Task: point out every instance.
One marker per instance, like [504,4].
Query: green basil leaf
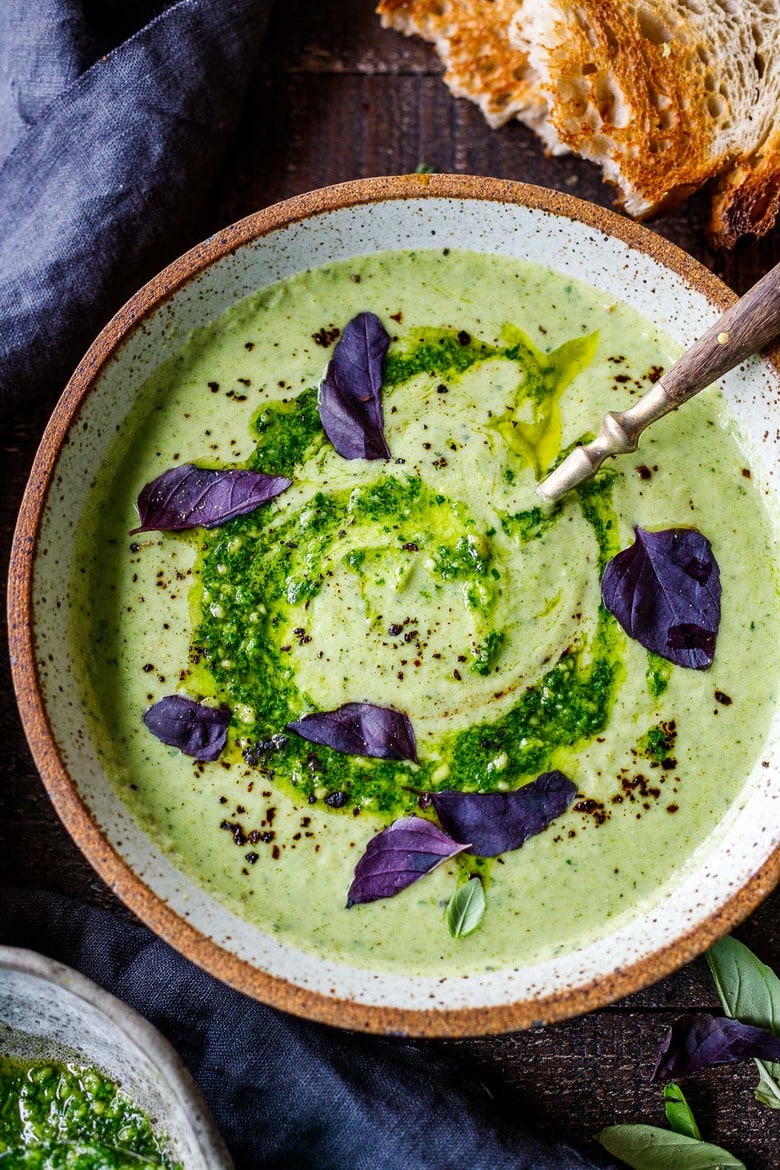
[678,1112]
[465,908]
[749,991]
[643,1147]
[768,1087]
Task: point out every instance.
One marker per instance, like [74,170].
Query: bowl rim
[140,1034]
[72,810]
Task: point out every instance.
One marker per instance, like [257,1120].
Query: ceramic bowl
[625,261]
[49,1012]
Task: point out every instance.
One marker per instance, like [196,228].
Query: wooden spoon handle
[743,329]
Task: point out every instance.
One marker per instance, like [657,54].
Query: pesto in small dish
[430,581]
[68,1117]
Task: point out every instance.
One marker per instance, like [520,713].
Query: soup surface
[434,583]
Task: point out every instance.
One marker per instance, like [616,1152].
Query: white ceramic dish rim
[723,883]
[194,1136]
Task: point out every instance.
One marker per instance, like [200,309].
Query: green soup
[435,583]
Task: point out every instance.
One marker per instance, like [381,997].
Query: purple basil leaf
[665,592]
[397,857]
[197,497]
[350,398]
[696,1042]
[361,729]
[497,822]
[191,727]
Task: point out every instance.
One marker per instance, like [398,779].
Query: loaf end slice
[666,95]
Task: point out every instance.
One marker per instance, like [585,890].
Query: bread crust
[471,38]
[665,95]
[626,87]
[746,199]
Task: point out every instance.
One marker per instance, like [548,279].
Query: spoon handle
[745,328]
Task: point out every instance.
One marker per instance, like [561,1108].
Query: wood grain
[747,327]
[334,98]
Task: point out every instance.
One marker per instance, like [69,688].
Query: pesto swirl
[421,577]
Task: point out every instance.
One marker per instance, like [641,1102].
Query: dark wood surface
[336,98]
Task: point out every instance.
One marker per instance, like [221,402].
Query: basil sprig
[645,1147]
[679,1113]
[749,991]
[350,397]
[750,994]
[665,592]
[466,908]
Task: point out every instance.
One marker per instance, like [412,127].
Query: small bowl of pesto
[316,680]
[87,1082]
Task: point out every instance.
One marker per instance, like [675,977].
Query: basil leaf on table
[466,908]
[397,857]
[749,991]
[678,1112]
[350,397]
[196,730]
[645,1147]
[697,1042]
[497,822]
[361,729]
[665,592]
[199,497]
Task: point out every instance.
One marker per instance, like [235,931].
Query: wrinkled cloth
[105,161]
[287,1094]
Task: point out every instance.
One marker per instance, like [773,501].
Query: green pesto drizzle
[286,431]
[255,569]
[438,352]
[658,742]
[657,674]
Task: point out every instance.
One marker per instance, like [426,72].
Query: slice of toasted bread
[664,95]
[471,37]
[746,200]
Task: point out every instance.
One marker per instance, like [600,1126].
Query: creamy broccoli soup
[434,583]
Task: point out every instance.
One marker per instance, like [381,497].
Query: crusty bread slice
[665,95]
[746,200]
[471,37]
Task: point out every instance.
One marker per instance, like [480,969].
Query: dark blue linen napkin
[104,161]
[287,1094]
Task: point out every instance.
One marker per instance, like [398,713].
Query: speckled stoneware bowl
[726,880]
[49,1012]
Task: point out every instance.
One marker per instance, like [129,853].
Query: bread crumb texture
[665,95]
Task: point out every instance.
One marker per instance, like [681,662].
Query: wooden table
[337,98]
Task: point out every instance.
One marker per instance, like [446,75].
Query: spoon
[743,329]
